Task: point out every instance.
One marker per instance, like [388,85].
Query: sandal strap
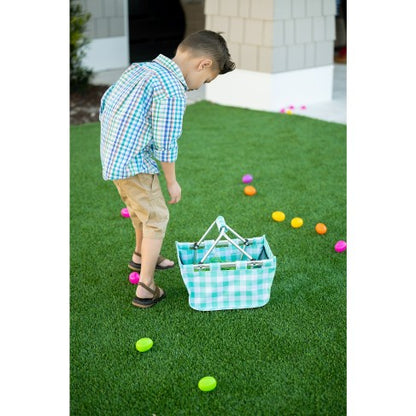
[147,288]
[155,293]
[160,259]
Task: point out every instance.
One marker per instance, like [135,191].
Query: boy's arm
[167,116]
[173,187]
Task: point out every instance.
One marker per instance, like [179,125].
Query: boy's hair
[212,44]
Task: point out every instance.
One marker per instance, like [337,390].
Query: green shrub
[80,76]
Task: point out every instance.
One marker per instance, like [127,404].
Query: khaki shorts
[143,198]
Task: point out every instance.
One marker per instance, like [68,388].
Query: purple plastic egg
[247,178]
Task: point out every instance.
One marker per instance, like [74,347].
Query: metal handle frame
[223,228]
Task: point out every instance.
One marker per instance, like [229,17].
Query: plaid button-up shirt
[141,118]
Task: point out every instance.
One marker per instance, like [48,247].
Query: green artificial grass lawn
[286,358]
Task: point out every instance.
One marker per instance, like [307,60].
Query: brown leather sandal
[137,266]
[148,302]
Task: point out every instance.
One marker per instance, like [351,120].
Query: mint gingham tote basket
[227,273]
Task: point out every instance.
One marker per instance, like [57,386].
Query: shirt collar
[172,67]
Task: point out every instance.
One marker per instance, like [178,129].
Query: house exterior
[108,51]
[283,49]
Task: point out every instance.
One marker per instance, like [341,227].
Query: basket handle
[222,228]
[220,221]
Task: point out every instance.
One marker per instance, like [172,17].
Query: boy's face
[200,73]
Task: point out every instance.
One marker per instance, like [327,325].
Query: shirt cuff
[166,155]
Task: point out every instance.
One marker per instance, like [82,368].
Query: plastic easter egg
[320,228]
[289,112]
[134,278]
[278,216]
[250,190]
[144,344]
[207,383]
[125,213]
[340,246]
[296,222]
[247,178]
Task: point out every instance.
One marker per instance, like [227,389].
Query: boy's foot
[142,299]
[162,263]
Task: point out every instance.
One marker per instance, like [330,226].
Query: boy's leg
[127,189]
[138,249]
[150,249]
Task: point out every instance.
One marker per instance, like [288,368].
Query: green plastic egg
[207,383]
[144,344]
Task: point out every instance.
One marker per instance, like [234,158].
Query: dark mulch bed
[85,104]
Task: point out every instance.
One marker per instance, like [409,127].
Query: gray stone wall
[275,35]
[107,18]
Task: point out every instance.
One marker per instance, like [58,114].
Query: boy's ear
[205,63]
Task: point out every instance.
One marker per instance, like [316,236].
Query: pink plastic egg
[340,246]
[134,278]
[125,213]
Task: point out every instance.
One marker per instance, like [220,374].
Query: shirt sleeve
[103,100]
[167,117]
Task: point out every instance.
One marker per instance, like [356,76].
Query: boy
[141,120]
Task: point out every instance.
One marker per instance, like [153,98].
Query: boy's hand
[175,192]
[173,187]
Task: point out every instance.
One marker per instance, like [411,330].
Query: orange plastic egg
[320,228]
[250,190]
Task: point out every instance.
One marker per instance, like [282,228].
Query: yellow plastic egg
[278,216]
[296,222]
